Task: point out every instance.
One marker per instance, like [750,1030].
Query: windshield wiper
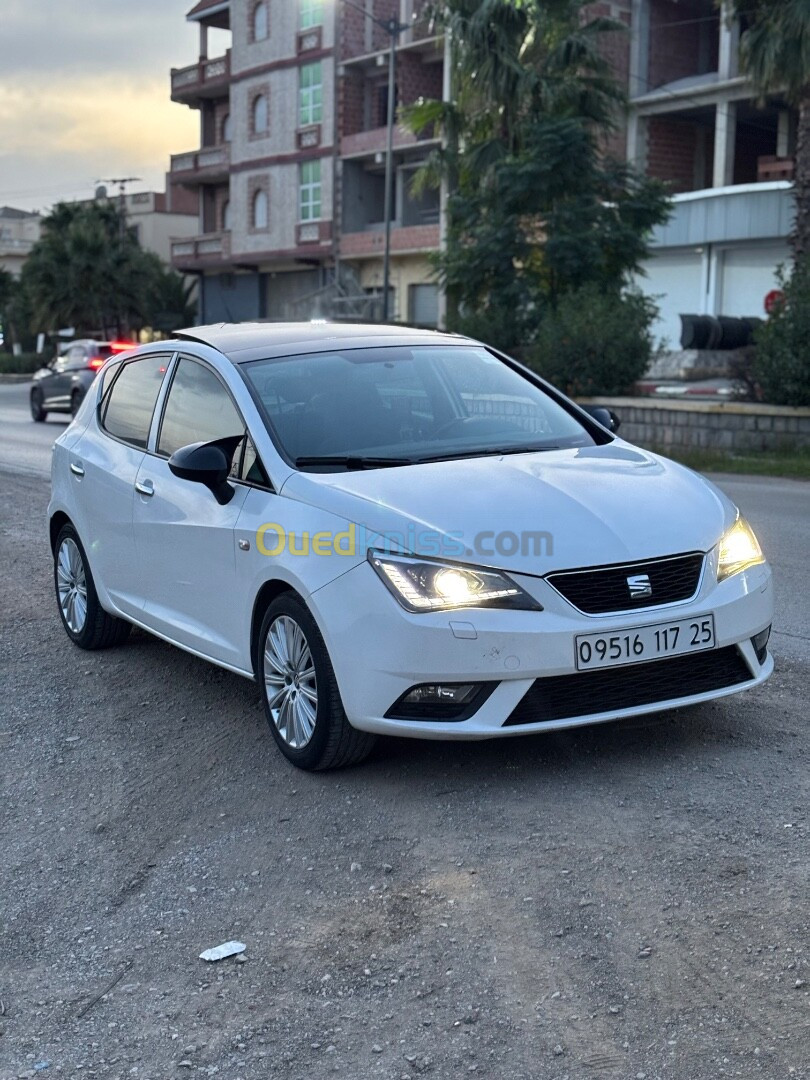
[488,451]
[350,461]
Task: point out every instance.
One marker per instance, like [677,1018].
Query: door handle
[76,468]
[144,487]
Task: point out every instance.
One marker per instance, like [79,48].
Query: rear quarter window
[131,402]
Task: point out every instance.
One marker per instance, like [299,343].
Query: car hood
[587,506]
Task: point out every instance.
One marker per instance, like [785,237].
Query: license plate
[641,643]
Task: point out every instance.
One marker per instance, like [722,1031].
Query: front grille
[561,697]
[601,589]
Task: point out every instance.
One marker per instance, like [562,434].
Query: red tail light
[121,346]
[95,362]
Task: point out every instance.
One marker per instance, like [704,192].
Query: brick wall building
[289,175]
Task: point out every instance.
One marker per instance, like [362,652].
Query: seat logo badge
[640,586]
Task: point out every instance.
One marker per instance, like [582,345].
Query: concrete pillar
[784,134]
[203,41]
[725,138]
[639,48]
[729,58]
[637,139]
[447,91]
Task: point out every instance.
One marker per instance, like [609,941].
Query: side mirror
[208,464]
[606,417]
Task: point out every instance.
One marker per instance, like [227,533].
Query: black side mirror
[606,417]
[209,464]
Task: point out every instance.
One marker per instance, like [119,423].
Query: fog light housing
[440,701]
[760,643]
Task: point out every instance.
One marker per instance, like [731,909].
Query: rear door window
[131,402]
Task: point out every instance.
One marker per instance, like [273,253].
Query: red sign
[774,300]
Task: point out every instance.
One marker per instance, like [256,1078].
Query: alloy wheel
[71,585]
[290,683]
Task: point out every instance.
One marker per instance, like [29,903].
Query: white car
[398,532]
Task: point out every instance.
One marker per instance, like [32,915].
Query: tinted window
[129,410]
[110,372]
[198,409]
[424,401]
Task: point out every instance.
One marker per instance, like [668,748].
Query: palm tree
[775,54]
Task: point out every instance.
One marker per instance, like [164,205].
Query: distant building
[19,231]
[290,168]
[158,218]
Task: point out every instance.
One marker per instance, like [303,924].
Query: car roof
[243,342]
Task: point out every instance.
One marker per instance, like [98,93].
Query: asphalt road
[624,901]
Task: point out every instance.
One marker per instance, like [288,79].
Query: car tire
[86,622]
[300,693]
[38,411]
[75,402]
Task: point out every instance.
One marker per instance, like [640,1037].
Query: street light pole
[394,28]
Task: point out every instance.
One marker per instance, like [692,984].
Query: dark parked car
[61,386]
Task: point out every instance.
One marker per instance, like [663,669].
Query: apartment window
[310,13]
[309,191]
[259,115]
[260,24]
[310,94]
[260,209]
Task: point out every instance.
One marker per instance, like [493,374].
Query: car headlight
[738,550]
[425,585]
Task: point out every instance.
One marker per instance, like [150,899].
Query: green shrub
[782,365]
[24,364]
[595,343]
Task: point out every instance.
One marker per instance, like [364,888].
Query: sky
[84,95]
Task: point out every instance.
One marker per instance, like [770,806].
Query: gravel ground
[628,901]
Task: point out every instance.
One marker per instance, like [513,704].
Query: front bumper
[379,650]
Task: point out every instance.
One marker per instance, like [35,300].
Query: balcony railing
[409,238]
[206,78]
[207,165]
[199,250]
[374,141]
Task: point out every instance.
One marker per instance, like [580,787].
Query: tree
[171,304]
[536,208]
[89,272]
[6,293]
[775,54]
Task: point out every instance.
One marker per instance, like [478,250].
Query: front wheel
[38,411]
[300,693]
[86,622]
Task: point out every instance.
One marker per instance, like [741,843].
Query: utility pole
[122,182]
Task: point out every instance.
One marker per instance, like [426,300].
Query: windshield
[398,405]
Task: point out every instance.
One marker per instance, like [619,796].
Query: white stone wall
[281,85]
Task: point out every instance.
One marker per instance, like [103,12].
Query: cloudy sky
[84,94]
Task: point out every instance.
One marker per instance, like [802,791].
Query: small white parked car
[398,532]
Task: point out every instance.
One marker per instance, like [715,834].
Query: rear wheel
[38,411]
[301,697]
[86,622]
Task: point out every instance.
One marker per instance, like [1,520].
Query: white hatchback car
[399,532]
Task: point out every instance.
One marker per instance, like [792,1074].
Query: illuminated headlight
[738,550]
[422,585]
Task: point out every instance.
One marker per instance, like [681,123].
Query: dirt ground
[626,901]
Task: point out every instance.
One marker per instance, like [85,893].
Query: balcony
[369,143]
[411,239]
[197,252]
[210,165]
[205,79]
